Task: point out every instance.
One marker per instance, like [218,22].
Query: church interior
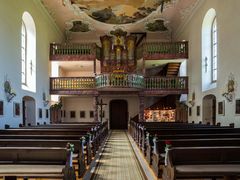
[126,90]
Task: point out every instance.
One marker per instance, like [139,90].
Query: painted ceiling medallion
[79,26]
[118,11]
[157,25]
[118,32]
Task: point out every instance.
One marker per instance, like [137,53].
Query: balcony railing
[168,85]
[119,80]
[165,50]
[71,52]
[90,51]
[71,83]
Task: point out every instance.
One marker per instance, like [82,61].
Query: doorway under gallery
[28,111]
[209,109]
[118,114]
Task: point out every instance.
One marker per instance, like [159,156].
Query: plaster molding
[39,4]
[186,16]
[84,16]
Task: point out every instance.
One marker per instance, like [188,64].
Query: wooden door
[118,114]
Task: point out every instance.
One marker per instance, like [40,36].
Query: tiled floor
[118,161]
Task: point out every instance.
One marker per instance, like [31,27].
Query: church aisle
[118,160]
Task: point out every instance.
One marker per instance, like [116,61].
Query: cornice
[44,11]
[186,16]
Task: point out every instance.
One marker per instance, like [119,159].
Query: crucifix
[206,65]
[101,104]
[31,67]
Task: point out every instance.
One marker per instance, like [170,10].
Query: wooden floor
[118,160]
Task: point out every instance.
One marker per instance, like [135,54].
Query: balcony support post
[141,107]
[95,107]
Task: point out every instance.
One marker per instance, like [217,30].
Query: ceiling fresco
[157,25]
[98,17]
[79,26]
[118,11]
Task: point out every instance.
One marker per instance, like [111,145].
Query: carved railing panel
[165,50]
[90,51]
[73,52]
[120,80]
[72,83]
[176,83]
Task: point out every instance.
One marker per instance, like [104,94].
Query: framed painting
[82,114]
[91,114]
[46,113]
[237,107]
[221,108]
[1,108]
[40,113]
[190,111]
[16,109]
[72,114]
[198,110]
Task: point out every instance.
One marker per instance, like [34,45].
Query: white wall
[228,59]
[86,104]
[78,104]
[10,54]
[76,73]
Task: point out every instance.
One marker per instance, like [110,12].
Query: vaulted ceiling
[102,16]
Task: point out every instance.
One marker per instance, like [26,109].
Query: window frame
[24,48]
[214,54]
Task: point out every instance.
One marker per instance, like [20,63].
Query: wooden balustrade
[120,80]
[165,50]
[90,51]
[176,83]
[71,83]
[73,52]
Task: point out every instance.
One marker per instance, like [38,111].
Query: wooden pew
[35,162]
[60,133]
[202,162]
[78,148]
[160,145]
[149,144]
[177,131]
[55,136]
[143,128]
[138,128]
[98,131]
[93,139]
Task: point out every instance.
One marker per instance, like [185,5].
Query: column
[141,107]
[143,66]
[95,107]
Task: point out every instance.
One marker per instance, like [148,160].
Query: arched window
[23,55]
[209,50]
[28,53]
[214,50]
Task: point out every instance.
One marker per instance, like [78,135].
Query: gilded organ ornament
[118,51]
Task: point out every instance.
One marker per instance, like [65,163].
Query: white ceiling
[174,14]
